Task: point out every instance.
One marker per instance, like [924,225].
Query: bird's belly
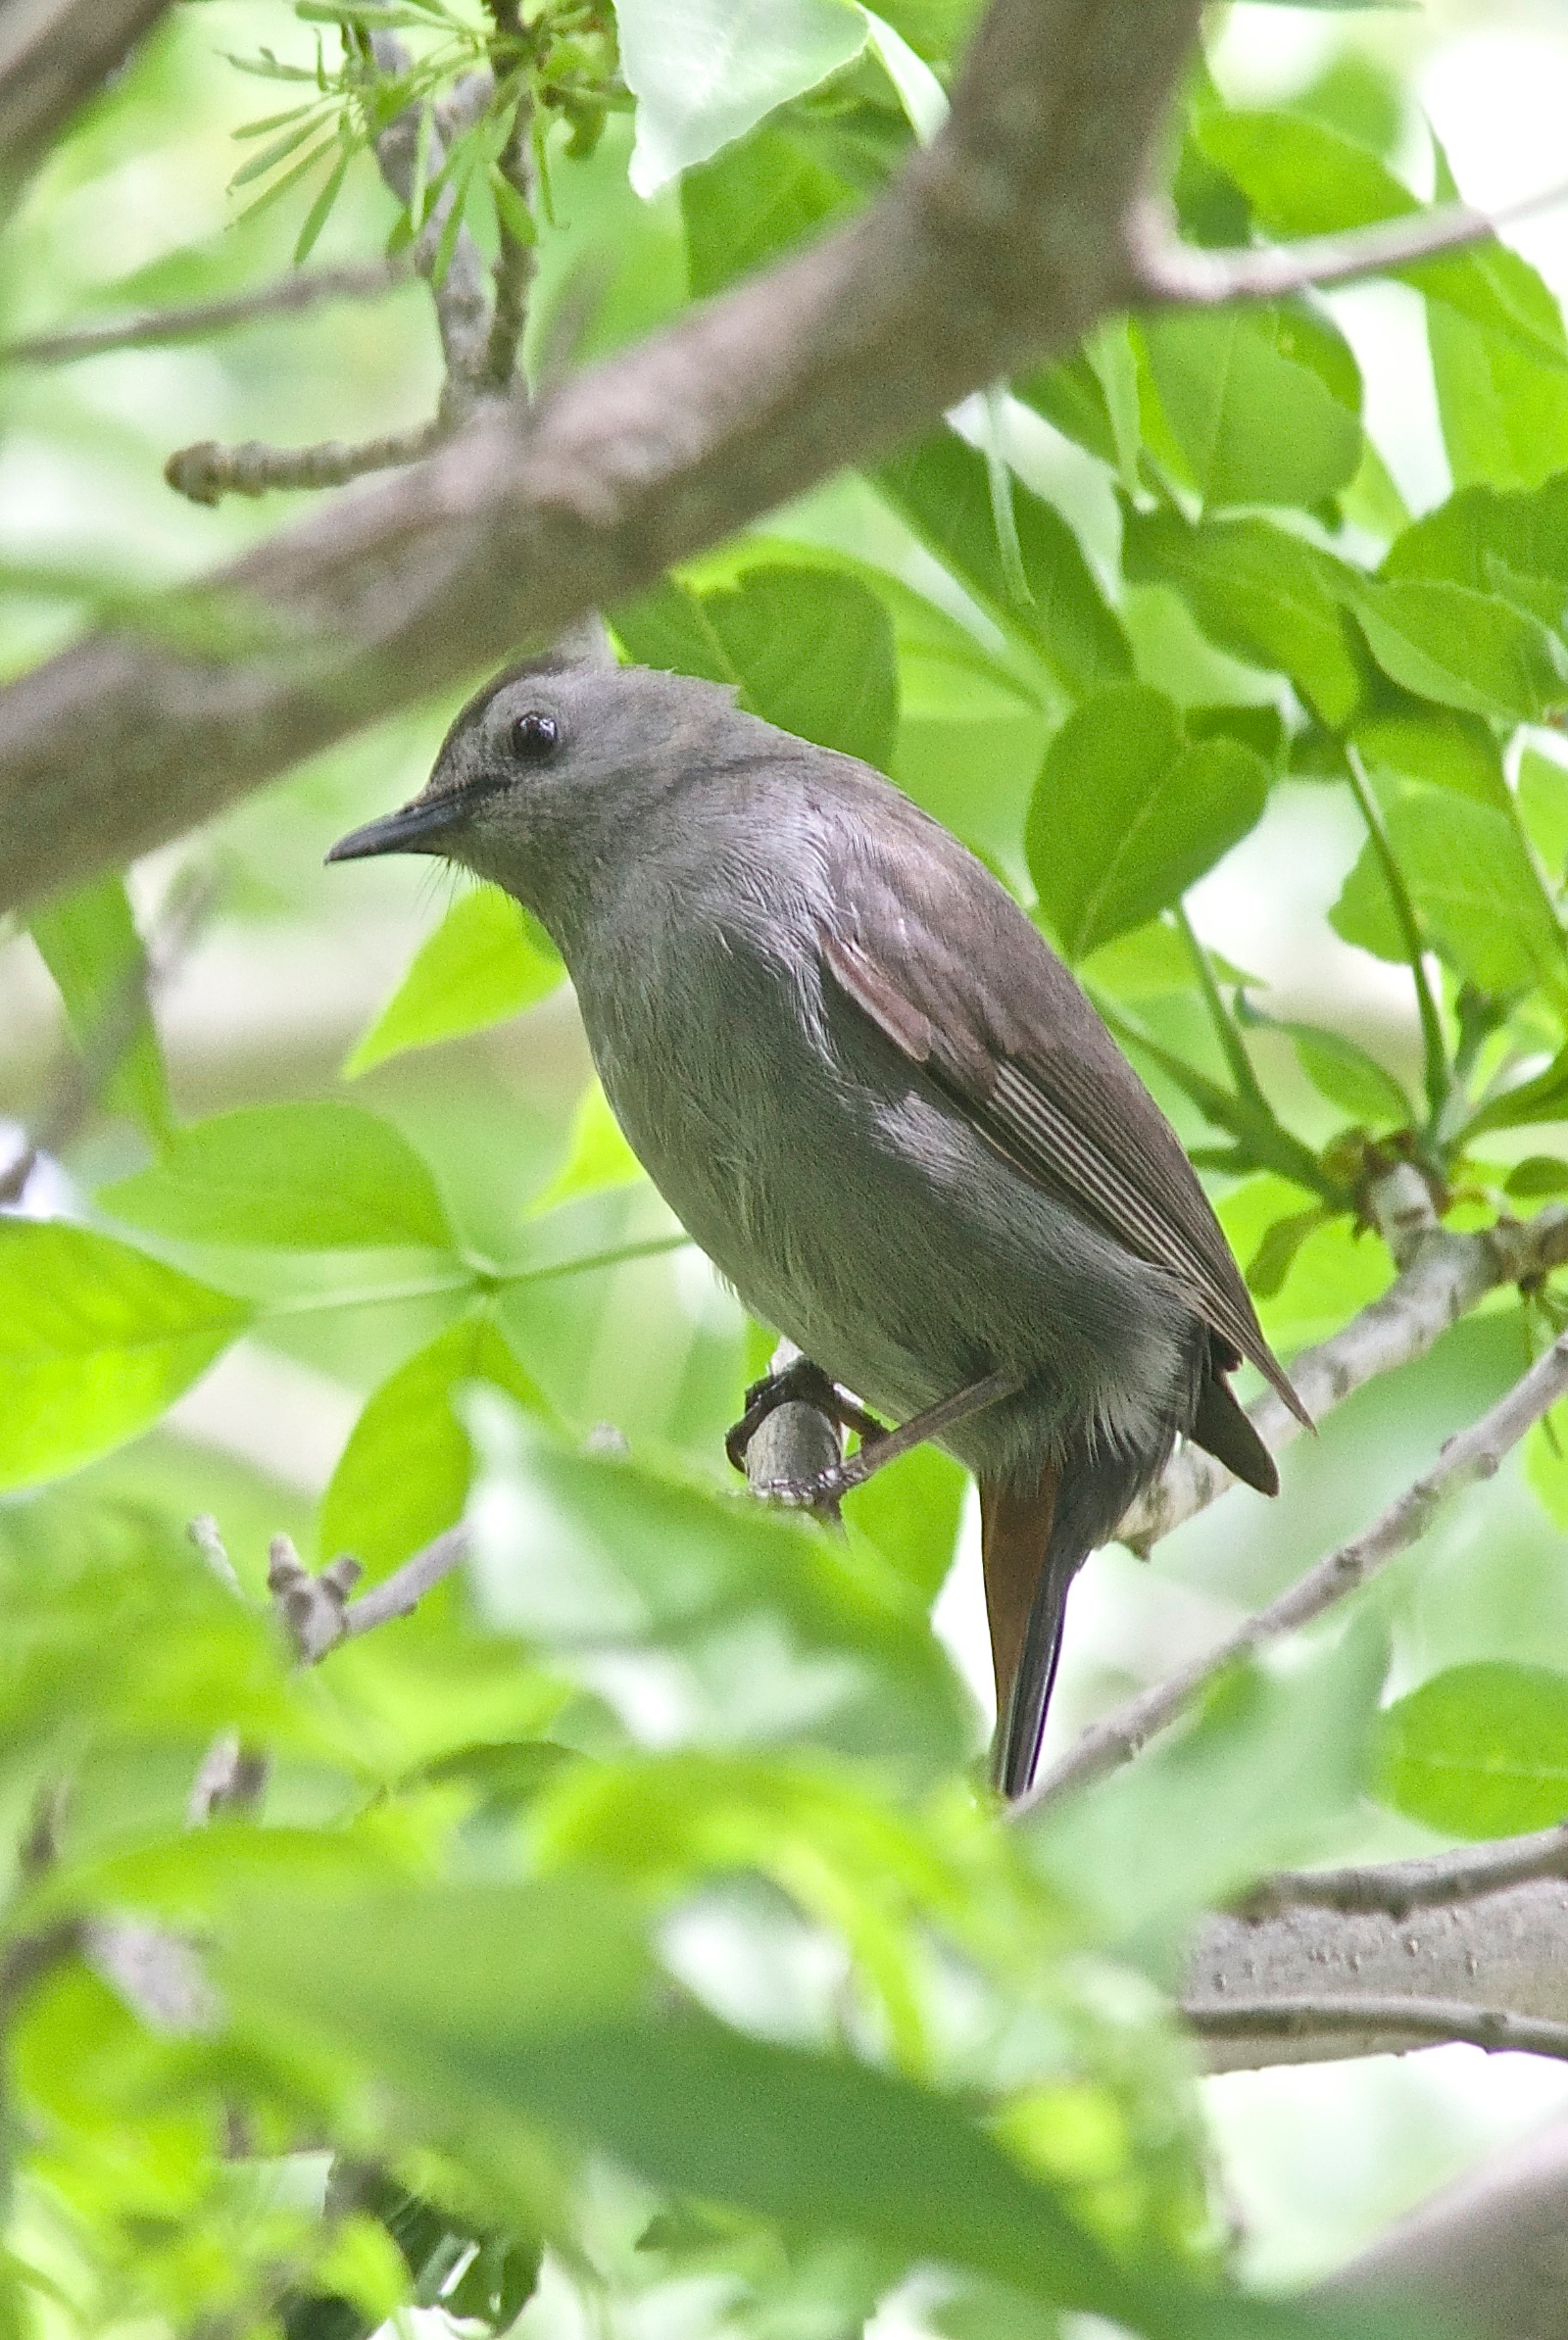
[874,1227]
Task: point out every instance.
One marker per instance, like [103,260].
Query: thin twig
[1393,1889]
[400,1593]
[1446,1276]
[209,471]
[1186,276]
[517,256]
[1421,2020]
[1474,1453]
[306,288]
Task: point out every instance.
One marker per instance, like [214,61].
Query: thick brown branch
[1004,239]
[305,288]
[1474,1453]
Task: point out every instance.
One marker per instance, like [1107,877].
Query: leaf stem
[1437,1079]
[430,1288]
[1226,1031]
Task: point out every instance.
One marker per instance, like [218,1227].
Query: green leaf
[1464,649]
[1261,593]
[1544,808]
[1545,1097]
[316,216]
[1436,744]
[486,961]
[753,202]
[705,72]
[911,1512]
[1481,1750]
[95,1341]
[943,490]
[1504,417]
[1304,178]
[1474,889]
[1254,419]
[708,1619]
[90,944]
[404,1474]
[1127,815]
[1460,539]
[317,1176]
[597,1155]
[1348,1077]
[1269,1770]
[809,649]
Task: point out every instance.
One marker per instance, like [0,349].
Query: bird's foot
[800,1383]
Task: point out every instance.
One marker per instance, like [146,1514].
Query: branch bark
[54,55]
[1004,239]
[1490,2254]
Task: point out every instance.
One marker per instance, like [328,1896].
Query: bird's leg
[799,1383]
[829,1487]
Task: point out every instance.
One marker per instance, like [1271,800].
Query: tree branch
[1189,276]
[1442,1277]
[209,471]
[1001,241]
[1418,2022]
[54,55]
[1490,2253]
[1474,1453]
[304,289]
[1393,1888]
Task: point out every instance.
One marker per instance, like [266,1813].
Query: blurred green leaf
[755,201]
[1269,1771]
[702,77]
[943,490]
[1255,418]
[1544,1097]
[1261,593]
[1464,649]
[707,1620]
[486,960]
[1348,1077]
[911,1512]
[90,944]
[1127,815]
[1504,417]
[807,648]
[404,1474]
[1439,745]
[1544,808]
[1481,1750]
[597,1155]
[1473,886]
[819,2141]
[309,1177]
[95,1341]
[1454,542]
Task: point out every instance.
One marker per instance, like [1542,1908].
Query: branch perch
[304,289]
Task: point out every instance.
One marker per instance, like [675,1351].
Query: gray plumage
[868,1090]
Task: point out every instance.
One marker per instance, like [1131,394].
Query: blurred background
[291,962]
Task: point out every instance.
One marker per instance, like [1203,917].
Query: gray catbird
[876,1100]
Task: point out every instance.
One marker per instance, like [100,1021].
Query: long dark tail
[1027,1574]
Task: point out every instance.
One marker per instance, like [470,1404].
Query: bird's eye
[535,737]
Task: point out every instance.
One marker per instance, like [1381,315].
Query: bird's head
[550,769]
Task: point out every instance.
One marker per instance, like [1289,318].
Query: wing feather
[930,948]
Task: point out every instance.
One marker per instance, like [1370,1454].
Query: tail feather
[1027,1570]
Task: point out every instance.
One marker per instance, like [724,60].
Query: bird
[879,1102]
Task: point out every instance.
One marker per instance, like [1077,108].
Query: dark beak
[418,828]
